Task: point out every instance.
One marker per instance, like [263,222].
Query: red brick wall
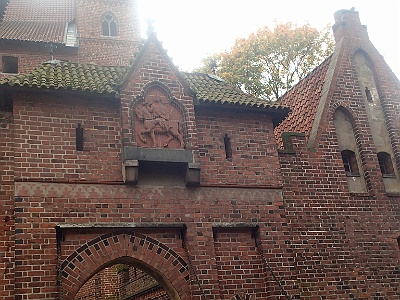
[344,244]
[106,52]
[47,205]
[7,243]
[317,239]
[239,264]
[254,157]
[89,14]
[103,285]
[45,138]
[31,55]
[95,48]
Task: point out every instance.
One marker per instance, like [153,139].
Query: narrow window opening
[113,28]
[385,164]
[228,147]
[79,138]
[398,242]
[368,94]
[10,64]
[6,103]
[350,163]
[109,26]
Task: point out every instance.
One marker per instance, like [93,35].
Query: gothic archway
[166,266]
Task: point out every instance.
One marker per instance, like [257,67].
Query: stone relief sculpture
[159,121]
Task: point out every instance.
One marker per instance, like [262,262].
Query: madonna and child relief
[157,123]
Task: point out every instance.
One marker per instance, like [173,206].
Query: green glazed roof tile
[74,76]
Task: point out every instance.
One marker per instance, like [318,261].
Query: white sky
[192,29]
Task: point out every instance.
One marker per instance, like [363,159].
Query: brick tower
[100,32]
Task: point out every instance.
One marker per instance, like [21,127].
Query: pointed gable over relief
[158,112]
[155,91]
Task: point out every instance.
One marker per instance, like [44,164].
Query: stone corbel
[131,171]
[192,177]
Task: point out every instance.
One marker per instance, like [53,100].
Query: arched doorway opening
[121,253]
[126,279]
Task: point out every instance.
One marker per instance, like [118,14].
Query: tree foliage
[269,62]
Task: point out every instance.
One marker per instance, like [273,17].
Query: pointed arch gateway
[131,248]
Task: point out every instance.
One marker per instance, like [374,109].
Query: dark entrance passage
[122,282]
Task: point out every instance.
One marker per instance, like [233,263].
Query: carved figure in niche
[156,118]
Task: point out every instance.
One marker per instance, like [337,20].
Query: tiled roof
[303,101]
[210,88]
[40,11]
[33,31]
[74,76]
[37,20]
[107,79]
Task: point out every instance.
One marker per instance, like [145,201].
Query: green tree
[269,62]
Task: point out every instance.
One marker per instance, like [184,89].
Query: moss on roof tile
[210,88]
[74,76]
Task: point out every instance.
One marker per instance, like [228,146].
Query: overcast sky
[192,29]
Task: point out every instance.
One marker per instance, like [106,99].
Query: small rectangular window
[350,163]
[385,164]
[10,64]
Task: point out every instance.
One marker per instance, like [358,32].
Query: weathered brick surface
[52,204]
[31,55]
[45,138]
[261,224]
[344,243]
[239,263]
[254,159]
[7,225]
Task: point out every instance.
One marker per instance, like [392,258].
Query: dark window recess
[228,147]
[10,64]
[6,103]
[109,26]
[350,163]
[385,164]
[398,242]
[79,137]
[368,94]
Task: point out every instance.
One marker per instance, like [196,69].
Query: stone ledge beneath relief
[133,156]
[158,155]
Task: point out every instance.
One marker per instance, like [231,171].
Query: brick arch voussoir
[107,249]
